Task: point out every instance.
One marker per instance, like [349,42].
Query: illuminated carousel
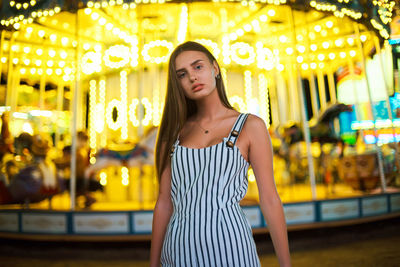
[101,66]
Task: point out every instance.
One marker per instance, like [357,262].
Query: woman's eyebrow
[193,63]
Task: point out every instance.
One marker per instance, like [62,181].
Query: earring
[218,76]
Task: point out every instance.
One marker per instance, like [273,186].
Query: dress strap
[236,129]
[174,146]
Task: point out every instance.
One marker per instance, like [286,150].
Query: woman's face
[196,74]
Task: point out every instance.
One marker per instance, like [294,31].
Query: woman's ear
[215,69]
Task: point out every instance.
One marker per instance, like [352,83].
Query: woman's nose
[192,76]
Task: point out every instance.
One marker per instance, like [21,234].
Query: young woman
[203,152]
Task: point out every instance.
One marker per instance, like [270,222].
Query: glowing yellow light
[15,61]
[239,101]
[342,54]
[50,63]
[242,48]
[103,178]
[86,46]
[91,62]
[321,57]
[317,28]
[120,52]
[3,60]
[213,47]
[27,49]
[363,38]
[339,42]
[325,45]
[53,37]
[352,53]
[27,127]
[350,41]
[39,52]
[14,48]
[271,12]
[332,56]
[263,18]
[329,24]
[114,125]
[64,41]
[313,47]
[251,176]
[289,51]
[22,70]
[299,37]
[301,48]
[183,24]
[27,61]
[299,59]
[283,38]
[304,66]
[109,26]
[41,33]
[49,72]
[95,16]
[313,65]
[58,71]
[52,53]
[153,44]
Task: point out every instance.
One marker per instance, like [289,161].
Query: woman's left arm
[261,158]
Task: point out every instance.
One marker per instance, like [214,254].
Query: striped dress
[207,226]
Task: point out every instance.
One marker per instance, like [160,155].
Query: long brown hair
[178,108]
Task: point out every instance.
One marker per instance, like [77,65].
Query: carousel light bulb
[97,48]
[263,18]
[321,57]
[58,71]
[304,66]
[317,28]
[363,38]
[86,46]
[63,54]
[352,53]
[57,9]
[321,65]
[313,47]
[350,41]
[299,59]
[95,16]
[289,51]
[312,35]
[17,26]
[27,49]
[3,60]
[49,72]
[52,53]
[41,33]
[329,24]
[40,71]
[38,62]
[247,27]
[336,30]
[102,21]
[271,12]
[325,45]
[15,61]
[109,26]
[301,48]
[22,70]
[240,32]
[29,30]
[32,71]
[27,61]
[64,41]
[50,63]
[74,43]
[324,33]
[339,42]
[53,37]
[283,39]
[342,54]
[299,37]
[313,65]
[88,11]
[332,56]
[61,64]
[14,48]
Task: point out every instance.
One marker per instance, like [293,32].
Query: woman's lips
[197,87]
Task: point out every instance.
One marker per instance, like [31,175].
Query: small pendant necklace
[206,131]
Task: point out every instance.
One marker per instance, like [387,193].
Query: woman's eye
[198,67]
[181,75]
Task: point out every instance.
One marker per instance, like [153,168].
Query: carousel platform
[132,220]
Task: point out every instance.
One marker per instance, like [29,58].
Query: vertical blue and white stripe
[208,226]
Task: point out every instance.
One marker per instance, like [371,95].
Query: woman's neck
[210,108]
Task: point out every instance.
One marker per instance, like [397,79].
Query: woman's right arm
[161,216]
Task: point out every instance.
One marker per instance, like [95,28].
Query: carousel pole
[378,149]
[331,85]
[74,115]
[306,129]
[60,102]
[321,89]
[10,74]
[389,106]
[1,51]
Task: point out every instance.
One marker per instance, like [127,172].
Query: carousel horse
[141,154]
[38,180]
